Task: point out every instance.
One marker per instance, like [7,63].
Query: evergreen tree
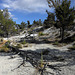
[34,22]
[23,24]
[50,20]
[40,22]
[7,25]
[28,22]
[2,22]
[65,15]
[6,13]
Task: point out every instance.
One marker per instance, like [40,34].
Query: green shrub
[19,46]
[24,31]
[7,43]
[41,34]
[1,40]
[24,42]
[41,63]
[56,43]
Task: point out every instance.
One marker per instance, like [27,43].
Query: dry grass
[4,49]
[2,43]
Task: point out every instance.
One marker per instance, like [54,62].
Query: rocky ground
[59,60]
[9,64]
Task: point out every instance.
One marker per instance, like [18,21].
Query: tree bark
[60,31]
[62,35]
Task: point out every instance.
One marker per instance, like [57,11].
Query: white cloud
[5,5]
[11,14]
[15,18]
[1,9]
[26,5]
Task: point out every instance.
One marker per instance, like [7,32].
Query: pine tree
[6,24]
[65,15]
[23,24]
[50,20]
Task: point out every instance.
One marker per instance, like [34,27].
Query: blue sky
[23,10]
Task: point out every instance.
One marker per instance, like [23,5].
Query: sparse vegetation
[24,31]
[19,46]
[56,43]
[9,41]
[4,49]
[24,42]
[42,63]
[1,40]
[40,34]
[25,45]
